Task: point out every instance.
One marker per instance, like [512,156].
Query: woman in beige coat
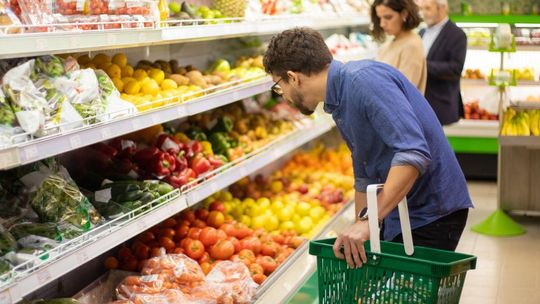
[404,51]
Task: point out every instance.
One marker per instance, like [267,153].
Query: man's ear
[294,78]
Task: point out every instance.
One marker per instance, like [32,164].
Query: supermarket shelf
[48,146]
[530,19]
[114,233]
[473,128]
[32,44]
[290,276]
[484,82]
[522,141]
[249,165]
[91,245]
[519,48]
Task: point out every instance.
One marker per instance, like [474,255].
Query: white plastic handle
[373,220]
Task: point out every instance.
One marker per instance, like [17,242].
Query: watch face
[363,213]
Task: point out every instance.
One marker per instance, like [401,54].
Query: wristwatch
[363,217]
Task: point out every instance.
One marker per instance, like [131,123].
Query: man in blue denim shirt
[394,136]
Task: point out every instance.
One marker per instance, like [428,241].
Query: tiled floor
[508,269]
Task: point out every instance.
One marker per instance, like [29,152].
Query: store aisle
[508,269]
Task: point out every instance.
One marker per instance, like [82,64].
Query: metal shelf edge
[522,141]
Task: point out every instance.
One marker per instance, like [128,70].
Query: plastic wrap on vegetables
[36,235]
[61,202]
[82,91]
[114,105]
[7,241]
[5,267]
[232,279]
[27,256]
[51,66]
[8,122]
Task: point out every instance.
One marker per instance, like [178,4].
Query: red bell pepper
[181,162]
[168,143]
[144,156]
[178,179]
[200,164]
[215,161]
[196,146]
[235,153]
[127,148]
[105,149]
[161,164]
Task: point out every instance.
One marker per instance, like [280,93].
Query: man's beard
[298,100]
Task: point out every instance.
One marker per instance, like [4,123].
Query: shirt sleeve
[393,119]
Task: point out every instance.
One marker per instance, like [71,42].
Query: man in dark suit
[445,46]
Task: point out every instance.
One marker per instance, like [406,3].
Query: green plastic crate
[428,276]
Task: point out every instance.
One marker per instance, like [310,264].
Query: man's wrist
[363,217]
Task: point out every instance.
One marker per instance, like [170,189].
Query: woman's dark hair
[412,21]
[300,50]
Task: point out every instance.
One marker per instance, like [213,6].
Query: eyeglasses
[277,88]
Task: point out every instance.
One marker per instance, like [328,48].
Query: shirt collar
[331,100]
[438,26]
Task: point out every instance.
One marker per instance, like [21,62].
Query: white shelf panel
[290,276]
[41,148]
[108,236]
[21,45]
[473,128]
[532,142]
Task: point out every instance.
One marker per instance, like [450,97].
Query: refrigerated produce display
[140,145]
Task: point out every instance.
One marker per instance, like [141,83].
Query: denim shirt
[387,122]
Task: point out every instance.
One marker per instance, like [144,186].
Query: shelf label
[5,296]
[43,276]
[182,111]
[195,197]
[82,257]
[155,119]
[137,124]
[41,44]
[30,152]
[106,133]
[9,158]
[75,141]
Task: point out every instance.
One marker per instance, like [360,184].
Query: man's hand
[352,240]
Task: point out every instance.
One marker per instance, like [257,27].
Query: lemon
[118,83]
[150,87]
[139,74]
[132,87]
[127,79]
[157,74]
[114,71]
[127,71]
[120,60]
[168,84]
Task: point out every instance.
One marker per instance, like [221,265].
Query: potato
[179,79]
[197,78]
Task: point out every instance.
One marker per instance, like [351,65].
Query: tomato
[221,235]
[124,253]
[157,252]
[247,255]
[154,243]
[167,243]
[205,258]
[236,244]
[269,248]
[188,215]
[222,250]
[185,242]
[199,224]
[178,250]
[268,264]
[181,233]
[217,206]
[255,268]
[195,249]
[111,263]
[169,223]
[208,236]
[202,214]
[184,223]
[228,229]
[259,232]
[215,219]
[242,231]
[140,265]
[130,264]
[259,278]
[251,243]
[155,230]
[167,232]
[281,257]
[206,267]
[142,252]
[146,237]
[194,233]
[296,242]
[278,238]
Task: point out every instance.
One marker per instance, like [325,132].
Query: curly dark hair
[412,21]
[300,50]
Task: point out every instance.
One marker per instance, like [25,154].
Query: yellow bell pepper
[181,137]
[207,148]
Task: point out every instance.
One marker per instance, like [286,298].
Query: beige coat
[406,54]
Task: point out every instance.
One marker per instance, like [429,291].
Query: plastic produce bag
[178,268]
[9,22]
[147,284]
[233,280]
[5,267]
[36,235]
[114,106]
[25,256]
[7,241]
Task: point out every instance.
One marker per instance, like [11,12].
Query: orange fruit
[150,87]
[118,83]
[132,87]
[120,60]
[114,71]
[127,71]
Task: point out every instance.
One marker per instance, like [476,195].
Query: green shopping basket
[394,273]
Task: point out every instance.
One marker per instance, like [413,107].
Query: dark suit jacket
[444,66]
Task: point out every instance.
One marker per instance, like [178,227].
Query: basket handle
[373,221]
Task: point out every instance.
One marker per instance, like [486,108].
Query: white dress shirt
[431,34]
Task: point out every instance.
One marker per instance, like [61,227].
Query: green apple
[286,213]
[286,226]
[317,213]
[272,223]
[304,225]
[246,220]
[175,7]
[258,222]
[303,208]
